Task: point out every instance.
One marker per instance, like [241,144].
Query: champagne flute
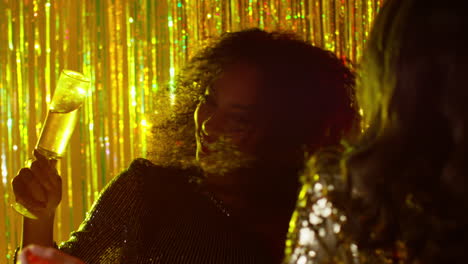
[71,90]
[62,117]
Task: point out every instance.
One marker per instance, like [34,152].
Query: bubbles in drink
[63,114]
[56,133]
[70,92]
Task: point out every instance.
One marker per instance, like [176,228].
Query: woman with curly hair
[400,194]
[223,181]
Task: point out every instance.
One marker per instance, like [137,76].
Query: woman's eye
[240,124]
[207,99]
[207,104]
[241,120]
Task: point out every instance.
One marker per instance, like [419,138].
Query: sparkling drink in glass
[62,117]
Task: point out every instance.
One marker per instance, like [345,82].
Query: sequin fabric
[316,232]
[315,229]
[151,214]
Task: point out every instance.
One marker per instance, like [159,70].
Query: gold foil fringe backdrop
[129,49]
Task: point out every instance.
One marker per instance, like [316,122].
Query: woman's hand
[38,188]
[34,254]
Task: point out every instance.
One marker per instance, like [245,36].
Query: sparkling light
[302,260]
[306,236]
[4,171]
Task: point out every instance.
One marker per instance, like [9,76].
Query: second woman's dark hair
[411,165]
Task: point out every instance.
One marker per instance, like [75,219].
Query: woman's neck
[262,201]
[258,190]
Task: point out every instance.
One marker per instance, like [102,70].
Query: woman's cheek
[244,141]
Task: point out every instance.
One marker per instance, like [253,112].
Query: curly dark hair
[309,91]
[411,165]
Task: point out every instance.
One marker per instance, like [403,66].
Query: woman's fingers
[29,189]
[37,188]
[41,174]
[38,155]
[45,170]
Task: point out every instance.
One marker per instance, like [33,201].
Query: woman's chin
[211,166]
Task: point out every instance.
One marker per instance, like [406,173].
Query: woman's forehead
[240,84]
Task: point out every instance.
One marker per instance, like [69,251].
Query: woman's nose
[211,129]
[204,126]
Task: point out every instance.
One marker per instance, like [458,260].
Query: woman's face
[228,127]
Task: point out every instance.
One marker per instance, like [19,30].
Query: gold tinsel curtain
[128,49]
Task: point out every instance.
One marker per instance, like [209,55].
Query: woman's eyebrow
[243,107]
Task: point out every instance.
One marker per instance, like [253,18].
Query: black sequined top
[152,214]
